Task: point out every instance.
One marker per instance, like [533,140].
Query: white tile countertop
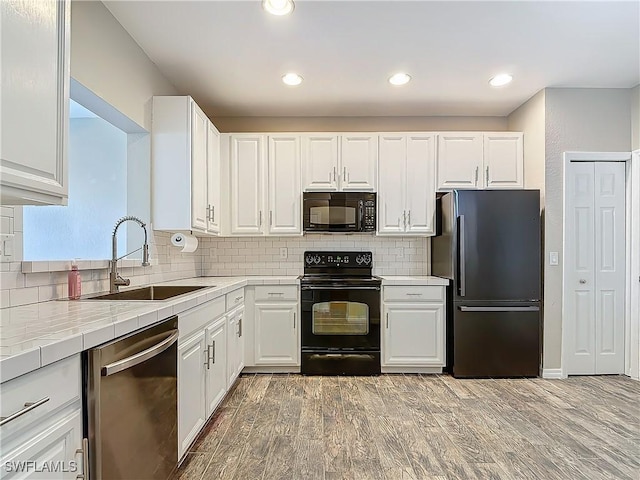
[32,336]
[413,280]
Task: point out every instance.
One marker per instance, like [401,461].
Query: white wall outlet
[284,253]
[553,258]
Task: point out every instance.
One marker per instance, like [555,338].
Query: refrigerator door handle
[499,309]
[462,259]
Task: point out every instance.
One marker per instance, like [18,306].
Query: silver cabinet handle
[240,327]
[414,294]
[209,212]
[213,354]
[486,184]
[404,218]
[238,299]
[209,356]
[582,281]
[270,217]
[294,320]
[344,174]
[275,293]
[260,218]
[144,355]
[85,460]
[213,213]
[477,176]
[409,218]
[28,406]
[387,319]
[334,173]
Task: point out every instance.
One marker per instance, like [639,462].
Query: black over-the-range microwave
[339,211]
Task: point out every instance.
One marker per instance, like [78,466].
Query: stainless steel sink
[152,292]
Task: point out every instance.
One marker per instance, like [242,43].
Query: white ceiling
[230,55]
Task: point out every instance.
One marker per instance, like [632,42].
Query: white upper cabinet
[213,180]
[406,196]
[345,162]
[320,162]
[247,170]
[186,164]
[480,160]
[503,160]
[284,185]
[35,102]
[459,160]
[359,162]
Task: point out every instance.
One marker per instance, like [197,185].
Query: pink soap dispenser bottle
[75,282]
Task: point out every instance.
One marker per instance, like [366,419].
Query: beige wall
[529,118]
[358,124]
[595,120]
[106,60]
[635,118]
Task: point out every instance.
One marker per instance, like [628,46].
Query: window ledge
[43,266]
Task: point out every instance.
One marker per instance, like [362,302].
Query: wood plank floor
[421,427]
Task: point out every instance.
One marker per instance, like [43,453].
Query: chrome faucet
[115,280]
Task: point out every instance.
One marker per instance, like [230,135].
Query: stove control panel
[338,259]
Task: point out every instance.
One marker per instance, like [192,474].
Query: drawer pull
[414,294]
[85,460]
[275,293]
[27,408]
[238,299]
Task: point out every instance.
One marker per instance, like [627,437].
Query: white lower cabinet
[276,334]
[192,377]
[216,340]
[46,441]
[414,327]
[235,344]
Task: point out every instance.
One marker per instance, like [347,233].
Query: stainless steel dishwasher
[131,402]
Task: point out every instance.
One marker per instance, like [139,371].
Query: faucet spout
[115,280]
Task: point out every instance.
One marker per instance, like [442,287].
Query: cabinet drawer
[59,383]
[277,292]
[196,318]
[413,293]
[235,298]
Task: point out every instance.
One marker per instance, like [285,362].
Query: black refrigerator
[488,245]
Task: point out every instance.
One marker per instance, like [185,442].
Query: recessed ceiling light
[399,78]
[292,79]
[500,80]
[278,7]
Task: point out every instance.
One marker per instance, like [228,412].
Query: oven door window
[340,318]
[333,215]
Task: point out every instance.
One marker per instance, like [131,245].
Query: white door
[413,335]
[213,179]
[392,188]
[247,184]
[216,338]
[191,390]
[276,334]
[199,133]
[420,191]
[459,161]
[320,162]
[503,160]
[359,160]
[284,185]
[595,263]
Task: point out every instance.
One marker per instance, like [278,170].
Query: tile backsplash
[261,255]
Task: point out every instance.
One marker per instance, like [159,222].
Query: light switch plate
[553,258]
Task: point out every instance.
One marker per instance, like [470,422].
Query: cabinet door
[284,185]
[276,334]
[392,189]
[35,102]
[192,411]
[414,335]
[54,447]
[420,189]
[459,161]
[240,342]
[359,162]
[235,346]
[213,179]
[503,160]
[216,336]
[247,184]
[320,162]
[199,133]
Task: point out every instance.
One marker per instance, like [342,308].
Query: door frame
[632,251]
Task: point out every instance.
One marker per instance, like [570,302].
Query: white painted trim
[426,370]
[631,189]
[633,282]
[554,373]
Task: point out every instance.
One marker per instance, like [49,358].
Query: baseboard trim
[434,370]
[271,369]
[552,373]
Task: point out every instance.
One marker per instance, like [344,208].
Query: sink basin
[152,292]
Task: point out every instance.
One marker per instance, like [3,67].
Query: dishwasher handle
[144,355]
